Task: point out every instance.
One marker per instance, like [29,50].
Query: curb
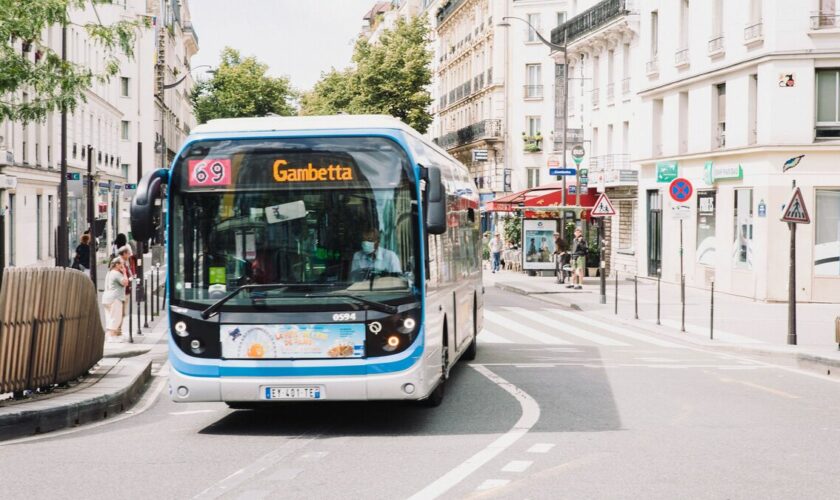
[73,413]
[537,296]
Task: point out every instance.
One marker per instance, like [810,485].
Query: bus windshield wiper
[373,304]
[215,306]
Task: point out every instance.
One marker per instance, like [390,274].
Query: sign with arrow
[603,207]
[795,210]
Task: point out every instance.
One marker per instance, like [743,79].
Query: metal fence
[50,328]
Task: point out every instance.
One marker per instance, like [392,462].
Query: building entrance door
[654,232]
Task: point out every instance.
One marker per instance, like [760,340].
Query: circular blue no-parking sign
[680,190]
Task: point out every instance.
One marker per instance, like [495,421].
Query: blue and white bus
[315,258]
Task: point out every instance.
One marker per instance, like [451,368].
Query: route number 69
[209,172]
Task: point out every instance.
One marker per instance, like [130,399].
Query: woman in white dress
[114,298]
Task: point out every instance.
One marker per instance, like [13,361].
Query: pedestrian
[561,253]
[129,262]
[119,242]
[81,260]
[578,259]
[114,299]
[496,247]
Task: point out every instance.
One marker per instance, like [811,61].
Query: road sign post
[795,213]
[577,155]
[603,208]
[681,190]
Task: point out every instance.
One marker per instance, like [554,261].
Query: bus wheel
[436,396]
[472,350]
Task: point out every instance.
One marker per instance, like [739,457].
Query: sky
[296,38]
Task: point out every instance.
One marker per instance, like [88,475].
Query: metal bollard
[33,344]
[712,314]
[160,293]
[145,303]
[682,294]
[153,307]
[130,311]
[658,295]
[636,294]
[616,292]
[137,301]
[58,346]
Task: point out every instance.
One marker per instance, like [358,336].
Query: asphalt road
[555,406]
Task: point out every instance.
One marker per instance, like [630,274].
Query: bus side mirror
[435,202]
[143,204]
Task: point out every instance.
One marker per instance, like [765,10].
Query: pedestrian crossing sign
[603,207]
[795,210]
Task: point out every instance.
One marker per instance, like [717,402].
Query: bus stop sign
[577,153]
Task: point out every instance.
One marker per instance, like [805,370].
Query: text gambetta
[284,173]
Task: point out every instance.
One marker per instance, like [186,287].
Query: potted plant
[593,261]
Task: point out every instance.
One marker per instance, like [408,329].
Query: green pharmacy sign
[715,173]
[666,171]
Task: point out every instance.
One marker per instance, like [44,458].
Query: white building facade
[731,91]
[116,120]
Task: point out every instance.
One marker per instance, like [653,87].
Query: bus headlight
[181,329]
[409,323]
[391,344]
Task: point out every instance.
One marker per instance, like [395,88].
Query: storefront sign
[666,171]
[726,172]
[538,243]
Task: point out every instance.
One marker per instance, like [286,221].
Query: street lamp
[163,89]
[559,48]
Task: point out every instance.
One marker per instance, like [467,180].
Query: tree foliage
[389,77]
[240,87]
[27,63]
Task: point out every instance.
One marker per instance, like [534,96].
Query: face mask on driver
[368,246]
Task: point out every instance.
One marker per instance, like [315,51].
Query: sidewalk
[113,386]
[739,323]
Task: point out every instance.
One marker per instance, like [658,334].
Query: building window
[626,225]
[50,229]
[743,217]
[124,130]
[717,19]
[720,116]
[828,104]
[654,34]
[827,218]
[12,229]
[533,177]
[533,125]
[38,227]
[706,227]
[752,110]
[534,21]
[124,86]
[561,18]
[533,86]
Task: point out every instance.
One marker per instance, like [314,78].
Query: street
[555,406]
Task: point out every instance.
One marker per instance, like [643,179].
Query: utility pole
[91,217]
[62,251]
[565,115]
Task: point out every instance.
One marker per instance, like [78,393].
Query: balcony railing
[588,20]
[681,58]
[821,20]
[533,91]
[447,9]
[596,97]
[609,162]
[753,32]
[625,86]
[485,129]
[610,92]
[652,67]
[716,45]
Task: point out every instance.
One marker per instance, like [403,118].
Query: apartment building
[115,120]
[603,54]
[730,91]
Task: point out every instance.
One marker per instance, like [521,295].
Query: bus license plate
[311,392]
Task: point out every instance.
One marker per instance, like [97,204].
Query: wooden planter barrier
[50,328]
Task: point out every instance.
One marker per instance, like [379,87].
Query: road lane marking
[530,416]
[588,320]
[517,465]
[566,328]
[521,329]
[492,483]
[488,337]
[541,448]
[759,387]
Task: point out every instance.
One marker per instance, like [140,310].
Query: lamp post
[559,48]
[163,109]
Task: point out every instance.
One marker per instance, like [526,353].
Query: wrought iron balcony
[681,58]
[609,162]
[596,97]
[822,20]
[533,91]
[625,86]
[610,92]
[652,67]
[483,130]
[589,20]
[716,46]
[753,33]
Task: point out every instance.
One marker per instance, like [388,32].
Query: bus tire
[472,349]
[436,396]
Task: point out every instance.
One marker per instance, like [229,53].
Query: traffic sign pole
[792,287]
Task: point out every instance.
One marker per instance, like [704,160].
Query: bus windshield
[325,219]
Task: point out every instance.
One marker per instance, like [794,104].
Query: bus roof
[289,123]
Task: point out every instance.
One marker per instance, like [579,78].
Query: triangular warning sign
[603,207]
[795,210]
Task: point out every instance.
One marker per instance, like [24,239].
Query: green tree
[27,63]
[390,77]
[240,87]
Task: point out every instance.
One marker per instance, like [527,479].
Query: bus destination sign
[284,173]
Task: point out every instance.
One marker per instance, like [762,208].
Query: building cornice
[822,147]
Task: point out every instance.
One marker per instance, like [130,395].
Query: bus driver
[374,257]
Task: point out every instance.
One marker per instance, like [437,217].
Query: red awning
[545,196]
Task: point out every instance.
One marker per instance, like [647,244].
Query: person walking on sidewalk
[496,247]
[114,299]
[578,259]
[81,260]
[561,254]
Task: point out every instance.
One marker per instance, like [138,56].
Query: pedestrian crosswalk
[506,325]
